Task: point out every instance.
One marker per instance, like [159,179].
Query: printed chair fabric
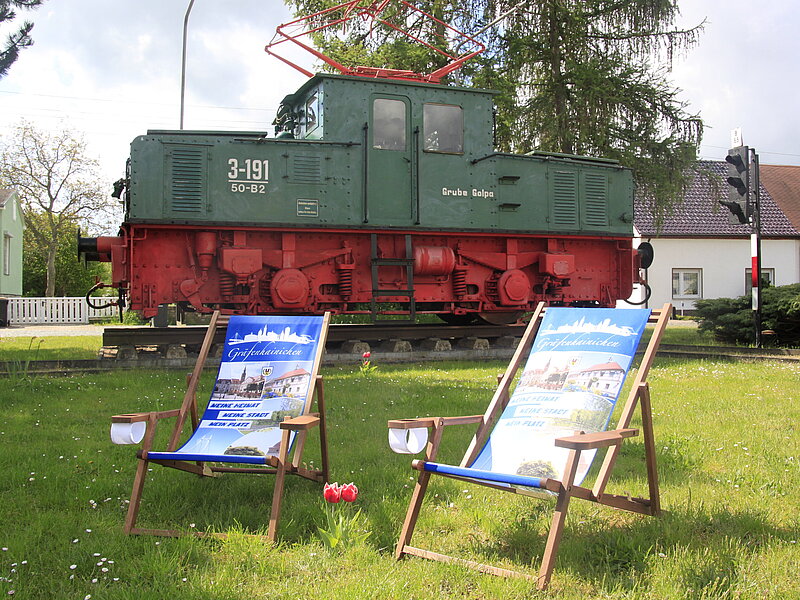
[571,381]
[265,375]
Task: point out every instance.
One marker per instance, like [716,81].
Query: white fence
[27,311]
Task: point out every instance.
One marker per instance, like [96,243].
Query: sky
[111,70]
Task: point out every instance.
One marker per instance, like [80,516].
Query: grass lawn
[50,347]
[728,453]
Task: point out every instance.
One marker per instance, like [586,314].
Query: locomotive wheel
[500,318]
[459,320]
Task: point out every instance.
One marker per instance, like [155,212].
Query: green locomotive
[374,195]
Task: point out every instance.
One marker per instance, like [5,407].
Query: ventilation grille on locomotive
[565,199]
[305,168]
[595,191]
[187,179]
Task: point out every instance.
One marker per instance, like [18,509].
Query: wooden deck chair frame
[279,465]
[566,490]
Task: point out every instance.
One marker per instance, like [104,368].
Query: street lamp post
[183,57]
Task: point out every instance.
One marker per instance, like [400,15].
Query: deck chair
[541,439]
[258,411]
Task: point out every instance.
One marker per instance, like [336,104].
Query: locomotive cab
[409,134]
[393,110]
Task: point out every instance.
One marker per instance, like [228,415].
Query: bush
[129,317]
[731,319]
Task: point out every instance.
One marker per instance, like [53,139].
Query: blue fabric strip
[228,458]
[484,475]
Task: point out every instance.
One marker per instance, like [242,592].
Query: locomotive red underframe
[291,270]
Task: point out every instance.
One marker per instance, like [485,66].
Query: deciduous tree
[72,277]
[58,187]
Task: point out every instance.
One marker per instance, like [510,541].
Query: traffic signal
[738,202]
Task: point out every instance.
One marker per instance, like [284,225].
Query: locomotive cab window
[312,116]
[388,124]
[443,126]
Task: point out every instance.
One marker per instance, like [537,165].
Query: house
[700,254]
[294,383]
[12,225]
[604,379]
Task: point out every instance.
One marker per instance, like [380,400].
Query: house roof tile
[294,373]
[783,184]
[609,366]
[701,215]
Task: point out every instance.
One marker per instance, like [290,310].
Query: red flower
[349,492]
[366,355]
[332,492]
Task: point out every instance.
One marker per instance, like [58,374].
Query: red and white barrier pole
[755,247]
[755,275]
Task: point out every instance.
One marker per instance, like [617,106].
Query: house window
[389,124]
[6,254]
[767,275]
[444,128]
[687,283]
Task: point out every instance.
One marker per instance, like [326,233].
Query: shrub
[731,319]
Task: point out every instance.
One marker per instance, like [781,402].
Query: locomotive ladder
[377,292]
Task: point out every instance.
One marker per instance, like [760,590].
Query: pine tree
[586,77]
[19,39]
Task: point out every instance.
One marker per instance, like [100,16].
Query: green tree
[72,277]
[576,76]
[58,187]
[19,39]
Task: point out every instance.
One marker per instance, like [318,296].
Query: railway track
[337,333]
[174,347]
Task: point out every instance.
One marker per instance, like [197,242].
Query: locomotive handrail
[191,132]
[548,156]
[366,173]
[262,140]
[415,175]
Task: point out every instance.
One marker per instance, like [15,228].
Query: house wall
[722,264]
[11,227]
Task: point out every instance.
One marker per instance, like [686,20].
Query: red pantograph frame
[342,13]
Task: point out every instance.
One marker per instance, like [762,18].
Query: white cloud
[112,70]
[743,73]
